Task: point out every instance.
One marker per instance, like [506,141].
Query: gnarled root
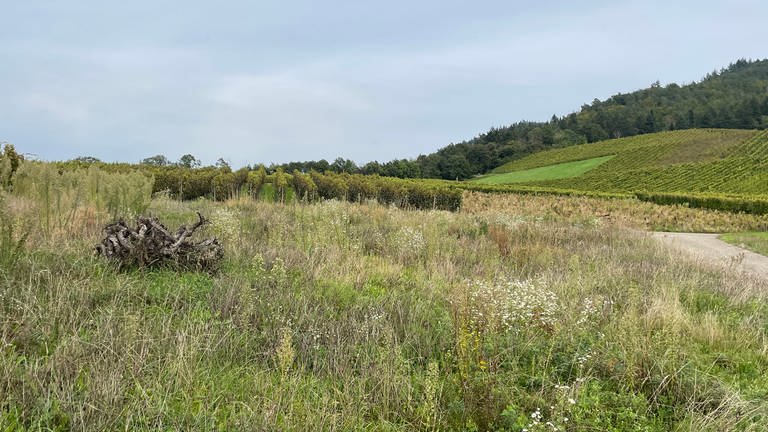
[151,244]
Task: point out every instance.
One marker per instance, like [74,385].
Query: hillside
[721,161]
[734,97]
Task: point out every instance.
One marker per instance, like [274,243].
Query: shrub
[303,185]
[255,180]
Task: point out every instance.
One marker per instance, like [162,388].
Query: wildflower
[285,352]
[225,224]
[410,239]
[506,304]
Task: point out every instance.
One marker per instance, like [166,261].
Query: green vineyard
[715,168]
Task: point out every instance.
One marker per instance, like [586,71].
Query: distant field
[550,172]
[703,161]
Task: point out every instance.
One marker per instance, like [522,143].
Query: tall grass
[341,316]
[624,213]
[66,202]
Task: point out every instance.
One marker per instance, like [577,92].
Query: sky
[277,81]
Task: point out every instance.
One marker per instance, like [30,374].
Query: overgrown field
[361,316]
[711,161]
[612,212]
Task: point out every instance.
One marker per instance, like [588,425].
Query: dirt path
[710,249]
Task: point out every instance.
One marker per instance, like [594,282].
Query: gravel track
[708,248]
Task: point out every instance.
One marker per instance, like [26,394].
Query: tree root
[151,244]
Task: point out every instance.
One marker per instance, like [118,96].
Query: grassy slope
[551,172]
[364,317]
[706,161]
[754,241]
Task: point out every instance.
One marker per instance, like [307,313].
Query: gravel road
[710,249]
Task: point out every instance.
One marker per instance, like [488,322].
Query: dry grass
[622,213]
[339,316]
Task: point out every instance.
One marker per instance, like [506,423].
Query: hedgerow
[756,206]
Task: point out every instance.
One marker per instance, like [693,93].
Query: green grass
[550,172]
[754,241]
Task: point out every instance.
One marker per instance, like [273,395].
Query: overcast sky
[275,81]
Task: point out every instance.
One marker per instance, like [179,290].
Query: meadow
[517,312]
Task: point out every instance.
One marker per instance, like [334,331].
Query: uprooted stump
[151,244]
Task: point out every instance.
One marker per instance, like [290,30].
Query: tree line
[734,97]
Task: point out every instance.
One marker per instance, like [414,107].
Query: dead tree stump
[151,244]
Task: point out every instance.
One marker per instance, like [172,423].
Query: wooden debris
[151,244]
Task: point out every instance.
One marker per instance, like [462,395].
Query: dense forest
[734,97]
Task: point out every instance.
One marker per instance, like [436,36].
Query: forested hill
[735,97]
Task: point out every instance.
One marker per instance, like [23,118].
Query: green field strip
[557,171]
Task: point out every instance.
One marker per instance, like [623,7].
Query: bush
[303,185]
[255,181]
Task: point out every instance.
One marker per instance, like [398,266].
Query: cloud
[284,91]
[266,82]
[58,109]
[275,116]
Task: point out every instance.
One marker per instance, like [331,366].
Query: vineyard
[707,168]
[701,167]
